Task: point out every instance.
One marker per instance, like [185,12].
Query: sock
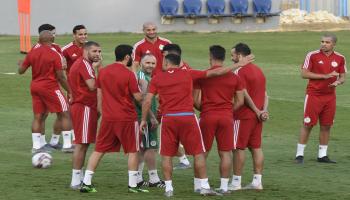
[82,174]
[67,142]
[76,173]
[54,139]
[133,178]
[153,176]
[36,140]
[236,180]
[204,183]
[300,149]
[42,140]
[197,184]
[139,175]
[256,179]
[183,159]
[88,177]
[168,186]
[322,151]
[224,184]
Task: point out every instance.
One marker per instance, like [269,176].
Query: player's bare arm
[146,106]
[135,66]
[63,82]
[21,69]
[238,100]
[91,84]
[306,74]
[249,102]
[99,102]
[265,115]
[340,80]
[197,98]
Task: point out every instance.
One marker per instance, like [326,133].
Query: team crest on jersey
[307,120]
[153,143]
[334,64]
[161,47]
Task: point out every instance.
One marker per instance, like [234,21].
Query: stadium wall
[117,16]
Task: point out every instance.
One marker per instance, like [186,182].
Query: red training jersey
[44,61]
[118,84]
[254,81]
[319,63]
[175,87]
[81,71]
[218,92]
[71,52]
[145,47]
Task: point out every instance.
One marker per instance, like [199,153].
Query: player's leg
[151,161]
[55,137]
[43,142]
[66,124]
[79,155]
[93,162]
[184,163]
[167,167]
[36,132]
[140,181]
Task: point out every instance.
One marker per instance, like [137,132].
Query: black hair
[217,52]
[242,49]
[121,51]
[173,59]
[78,27]
[46,27]
[173,49]
[90,44]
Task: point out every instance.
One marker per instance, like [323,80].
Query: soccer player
[57,129]
[82,79]
[248,120]
[325,69]
[117,89]
[179,123]
[150,142]
[219,96]
[153,44]
[74,50]
[47,97]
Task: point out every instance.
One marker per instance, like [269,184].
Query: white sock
[197,184]
[153,176]
[256,179]
[139,175]
[224,184]
[300,149]
[42,140]
[67,141]
[133,178]
[205,183]
[54,139]
[236,180]
[169,186]
[76,173]
[183,159]
[88,177]
[36,140]
[82,174]
[322,151]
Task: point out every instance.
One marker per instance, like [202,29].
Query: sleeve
[152,88]
[27,61]
[342,67]
[197,74]
[308,62]
[86,72]
[133,85]
[137,54]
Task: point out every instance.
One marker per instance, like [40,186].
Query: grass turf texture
[279,54]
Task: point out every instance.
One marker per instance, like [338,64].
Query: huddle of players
[232,105]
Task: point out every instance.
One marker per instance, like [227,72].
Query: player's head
[239,50]
[148,63]
[46,37]
[328,42]
[79,34]
[47,27]
[217,53]
[171,49]
[150,30]
[171,60]
[92,51]
[123,54]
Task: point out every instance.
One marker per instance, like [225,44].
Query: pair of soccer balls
[42,160]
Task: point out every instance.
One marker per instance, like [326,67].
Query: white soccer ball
[42,160]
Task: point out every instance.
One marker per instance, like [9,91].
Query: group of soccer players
[147,86]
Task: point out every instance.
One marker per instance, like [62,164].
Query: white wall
[115,16]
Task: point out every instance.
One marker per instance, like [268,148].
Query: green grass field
[279,54]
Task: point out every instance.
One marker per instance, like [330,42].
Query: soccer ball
[42,160]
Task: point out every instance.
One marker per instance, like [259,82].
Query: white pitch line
[8,73]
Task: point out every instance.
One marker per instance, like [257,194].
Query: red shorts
[220,127]
[319,107]
[180,129]
[247,133]
[84,120]
[113,134]
[48,100]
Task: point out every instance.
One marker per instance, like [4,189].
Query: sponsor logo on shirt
[334,64]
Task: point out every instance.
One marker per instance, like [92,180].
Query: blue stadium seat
[239,8]
[192,8]
[262,8]
[168,8]
[216,7]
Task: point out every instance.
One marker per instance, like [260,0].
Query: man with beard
[152,44]
[74,50]
[117,89]
[84,106]
[325,69]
